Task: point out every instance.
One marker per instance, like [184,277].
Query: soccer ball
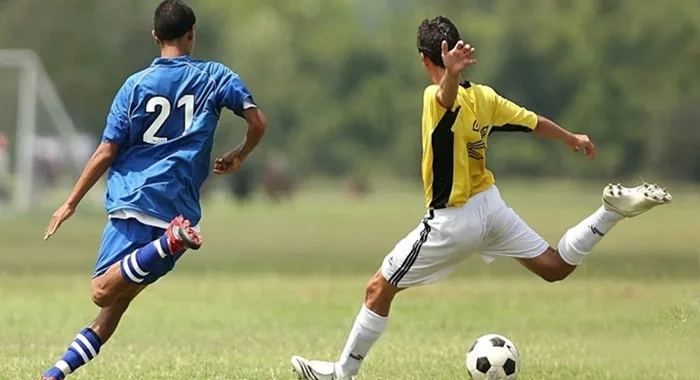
[493,357]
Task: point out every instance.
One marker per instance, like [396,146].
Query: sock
[367,329]
[84,348]
[580,240]
[136,266]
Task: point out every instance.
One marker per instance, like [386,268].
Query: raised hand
[459,58]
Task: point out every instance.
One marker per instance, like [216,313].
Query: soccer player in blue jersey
[157,148]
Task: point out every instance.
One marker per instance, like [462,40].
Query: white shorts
[445,237]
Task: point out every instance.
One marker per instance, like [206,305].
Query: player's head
[431,33]
[173,24]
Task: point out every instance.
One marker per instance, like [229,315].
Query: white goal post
[35,88]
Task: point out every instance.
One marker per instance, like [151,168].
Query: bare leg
[369,325]
[109,287]
[113,294]
[108,318]
[549,266]
[379,294]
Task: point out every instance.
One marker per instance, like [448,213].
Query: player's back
[164,119]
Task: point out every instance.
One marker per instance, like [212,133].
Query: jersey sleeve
[234,95]
[508,116]
[117,129]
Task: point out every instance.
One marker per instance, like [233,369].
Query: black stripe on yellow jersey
[454,141]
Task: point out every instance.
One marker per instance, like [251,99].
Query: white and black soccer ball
[493,357]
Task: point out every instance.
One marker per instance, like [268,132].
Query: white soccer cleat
[315,370]
[630,202]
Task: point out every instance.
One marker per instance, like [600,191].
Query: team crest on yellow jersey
[476,149]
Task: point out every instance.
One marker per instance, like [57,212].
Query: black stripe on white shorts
[415,250]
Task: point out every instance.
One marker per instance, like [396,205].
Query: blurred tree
[342,83]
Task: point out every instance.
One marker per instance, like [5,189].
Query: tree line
[342,86]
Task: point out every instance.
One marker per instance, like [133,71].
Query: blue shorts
[124,236]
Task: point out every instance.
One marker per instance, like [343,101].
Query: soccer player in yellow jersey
[466,213]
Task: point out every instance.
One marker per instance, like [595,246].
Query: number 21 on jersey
[162,105]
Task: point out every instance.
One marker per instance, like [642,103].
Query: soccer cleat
[630,202]
[181,236]
[315,370]
[48,378]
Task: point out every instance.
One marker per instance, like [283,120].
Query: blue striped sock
[84,348]
[136,266]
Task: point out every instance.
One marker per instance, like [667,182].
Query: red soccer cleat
[181,236]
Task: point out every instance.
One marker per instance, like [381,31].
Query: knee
[554,276]
[373,289]
[552,268]
[379,292]
[101,296]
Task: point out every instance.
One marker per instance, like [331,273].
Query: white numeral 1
[188,102]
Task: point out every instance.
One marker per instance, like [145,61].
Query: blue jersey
[163,120]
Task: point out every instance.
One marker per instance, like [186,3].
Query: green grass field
[272,281]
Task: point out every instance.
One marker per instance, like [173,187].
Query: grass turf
[273,281]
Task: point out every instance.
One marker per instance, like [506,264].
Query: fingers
[222,167]
[224,171]
[469,50]
[53,226]
[460,47]
[590,150]
[465,52]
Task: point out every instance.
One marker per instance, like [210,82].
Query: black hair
[431,33]
[172,19]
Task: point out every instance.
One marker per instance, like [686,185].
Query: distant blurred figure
[4,169]
[278,182]
[48,155]
[356,187]
[84,144]
[241,184]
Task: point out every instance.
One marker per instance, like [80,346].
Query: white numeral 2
[158,101]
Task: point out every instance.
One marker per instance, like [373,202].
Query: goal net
[40,148]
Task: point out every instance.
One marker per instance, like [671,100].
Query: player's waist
[479,205]
[143,218]
[459,197]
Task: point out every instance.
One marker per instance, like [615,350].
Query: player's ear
[153,33]
[425,60]
[190,34]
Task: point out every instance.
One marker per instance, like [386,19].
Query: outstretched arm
[508,116]
[575,142]
[95,168]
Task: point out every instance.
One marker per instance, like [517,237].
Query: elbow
[259,126]
[106,152]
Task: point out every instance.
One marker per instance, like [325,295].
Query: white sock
[580,240]
[367,329]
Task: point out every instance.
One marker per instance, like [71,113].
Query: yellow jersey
[454,141]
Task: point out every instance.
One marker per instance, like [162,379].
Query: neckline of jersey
[171,60]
